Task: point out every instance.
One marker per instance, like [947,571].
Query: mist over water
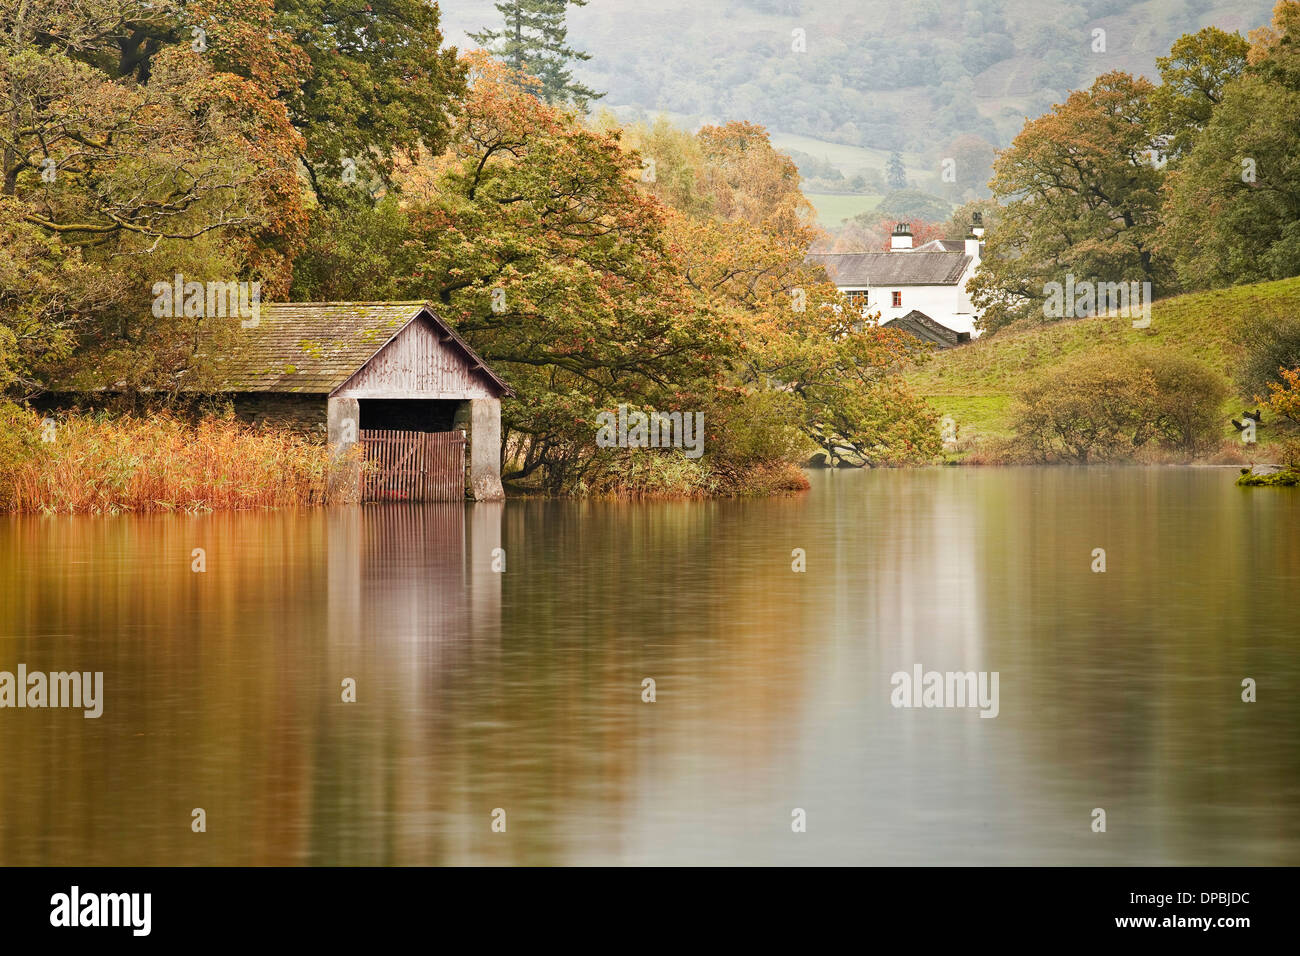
[522,690]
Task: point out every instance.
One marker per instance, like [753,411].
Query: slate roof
[893,268]
[920,325]
[943,245]
[311,348]
[314,347]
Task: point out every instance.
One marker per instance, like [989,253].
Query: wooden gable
[421,361]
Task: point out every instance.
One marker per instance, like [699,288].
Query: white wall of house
[949,305]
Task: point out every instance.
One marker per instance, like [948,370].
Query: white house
[925,286]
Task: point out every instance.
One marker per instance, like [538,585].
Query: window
[857,300]
[898,300]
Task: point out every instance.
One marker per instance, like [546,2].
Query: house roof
[893,268]
[943,245]
[920,325]
[314,347]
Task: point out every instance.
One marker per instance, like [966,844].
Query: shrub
[1271,344]
[755,428]
[1094,406]
[1284,398]
[1187,406]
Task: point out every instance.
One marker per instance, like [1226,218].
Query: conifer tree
[533,39]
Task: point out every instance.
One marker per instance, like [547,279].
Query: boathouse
[392,377]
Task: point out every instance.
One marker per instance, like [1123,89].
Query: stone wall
[305,414]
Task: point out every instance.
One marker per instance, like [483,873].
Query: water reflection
[522,690]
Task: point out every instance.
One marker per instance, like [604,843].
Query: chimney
[976,238]
[901,238]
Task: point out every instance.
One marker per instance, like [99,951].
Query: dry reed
[98,464]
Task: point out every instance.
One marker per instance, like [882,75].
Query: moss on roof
[308,348]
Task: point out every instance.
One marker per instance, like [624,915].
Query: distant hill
[975,383]
[874,74]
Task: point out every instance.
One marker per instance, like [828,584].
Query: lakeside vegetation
[96,464]
[981,386]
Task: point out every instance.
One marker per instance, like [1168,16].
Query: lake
[521,690]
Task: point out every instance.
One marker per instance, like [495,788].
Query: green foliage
[379,84]
[1193,77]
[1233,209]
[355,251]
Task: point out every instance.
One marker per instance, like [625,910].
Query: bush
[1284,398]
[1187,407]
[1271,344]
[1095,406]
[1105,405]
[756,428]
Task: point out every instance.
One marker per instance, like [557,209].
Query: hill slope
[975,383]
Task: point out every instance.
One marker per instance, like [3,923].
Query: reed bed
[98,464]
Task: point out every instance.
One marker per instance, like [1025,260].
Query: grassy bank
[100,465]
[976,384]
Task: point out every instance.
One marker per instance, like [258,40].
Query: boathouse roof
[317,348]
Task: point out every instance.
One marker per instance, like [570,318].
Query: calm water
[522,691]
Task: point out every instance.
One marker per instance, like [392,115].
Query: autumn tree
[751,181]
[111,183]
[801,355]
[1080,195]
[673,165]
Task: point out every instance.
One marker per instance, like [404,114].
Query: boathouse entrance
[420,401]
[413,466]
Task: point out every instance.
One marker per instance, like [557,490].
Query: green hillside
[975,383]
[834,209]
